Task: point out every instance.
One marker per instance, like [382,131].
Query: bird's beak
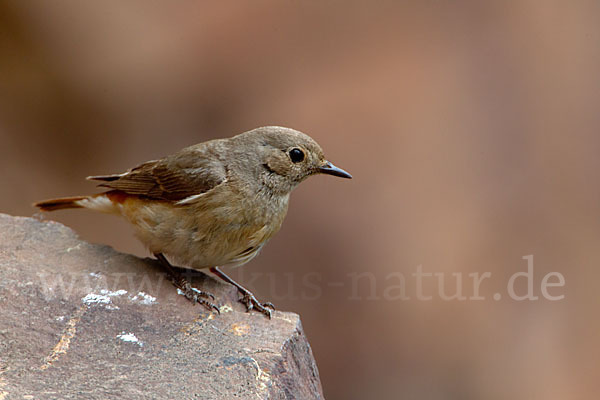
[330,169]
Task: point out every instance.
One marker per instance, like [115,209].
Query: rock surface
[82,321]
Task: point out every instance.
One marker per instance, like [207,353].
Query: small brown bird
[212,204]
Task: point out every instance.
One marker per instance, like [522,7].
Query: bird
[210,205]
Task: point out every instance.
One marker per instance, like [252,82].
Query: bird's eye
[296,155]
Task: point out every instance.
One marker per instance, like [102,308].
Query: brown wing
[190,172]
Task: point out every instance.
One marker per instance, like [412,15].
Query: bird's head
[285,156]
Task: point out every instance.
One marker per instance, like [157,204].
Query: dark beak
[331,169]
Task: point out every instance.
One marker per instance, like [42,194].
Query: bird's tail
[60,204]
[108,202]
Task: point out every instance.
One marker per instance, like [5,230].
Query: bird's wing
[180,178]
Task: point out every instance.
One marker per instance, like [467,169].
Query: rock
[79,320]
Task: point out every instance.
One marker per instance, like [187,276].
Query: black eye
[296,155]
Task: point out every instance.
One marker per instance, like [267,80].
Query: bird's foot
[248,298]
[196,296]
[251,303]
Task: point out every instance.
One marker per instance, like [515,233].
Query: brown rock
[79,320]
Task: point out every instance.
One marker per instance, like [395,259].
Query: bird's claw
[191,293]
[201,293]
[252,303]
[197,296]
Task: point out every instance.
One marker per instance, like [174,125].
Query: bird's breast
[224,227]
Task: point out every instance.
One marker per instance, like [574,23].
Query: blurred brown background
[472,130]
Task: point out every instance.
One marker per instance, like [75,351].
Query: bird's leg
[247,297]
[191,293]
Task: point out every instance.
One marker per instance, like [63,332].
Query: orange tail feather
[59,204]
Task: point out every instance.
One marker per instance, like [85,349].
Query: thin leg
[191,293]
[247,297]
